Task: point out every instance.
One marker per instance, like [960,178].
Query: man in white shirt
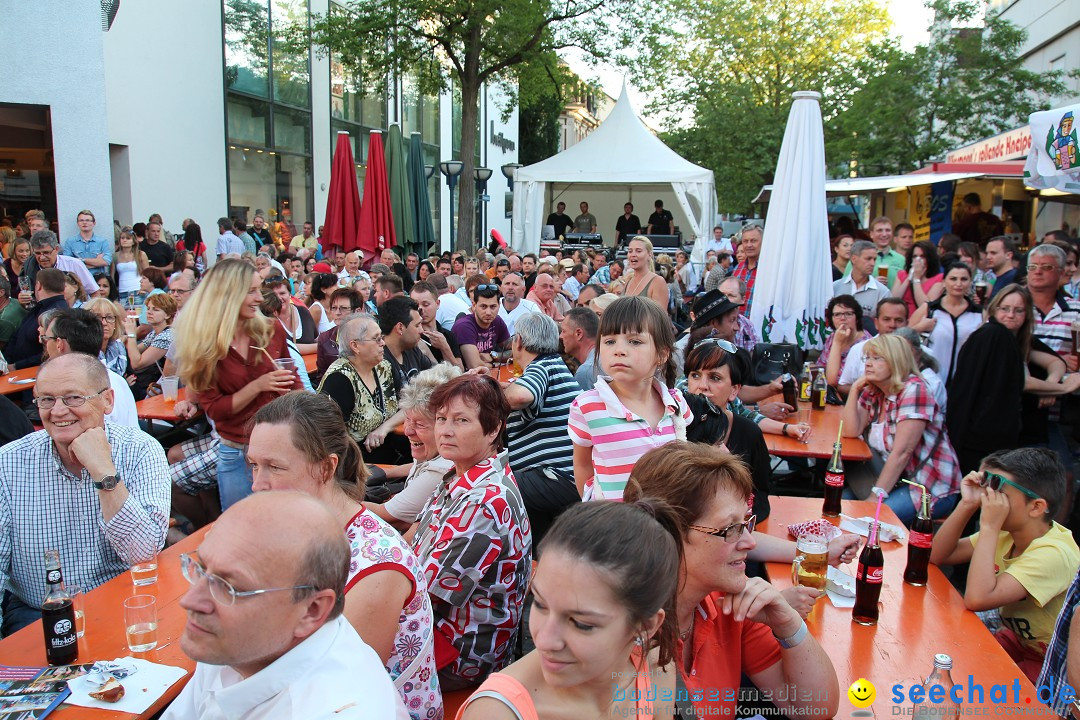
[892,313]
[451,307]
[861,284]
[719,243]
[265,623]
[351,272]
[228,243]
[513,304]
[75,330]
[579,275]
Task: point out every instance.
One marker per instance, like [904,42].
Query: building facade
[1053,38]
[194,109]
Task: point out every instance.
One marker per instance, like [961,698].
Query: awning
[860,185]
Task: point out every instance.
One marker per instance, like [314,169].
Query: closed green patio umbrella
[400,197]
[418,184]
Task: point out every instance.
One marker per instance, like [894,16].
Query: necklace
[684,634]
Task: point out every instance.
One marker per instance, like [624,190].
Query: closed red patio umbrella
[343,201]
[376,230]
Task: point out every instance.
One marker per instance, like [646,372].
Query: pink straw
[877,519]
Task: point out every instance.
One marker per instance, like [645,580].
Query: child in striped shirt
[630,411]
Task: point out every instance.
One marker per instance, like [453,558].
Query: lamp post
[451,169]
[481,175]
[508,173]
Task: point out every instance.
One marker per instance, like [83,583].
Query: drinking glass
[78,598]
[811,561]
[144,572]
[883,272]
[170,387]
[140,622]
[285,364]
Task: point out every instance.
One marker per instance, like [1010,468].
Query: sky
[911,20]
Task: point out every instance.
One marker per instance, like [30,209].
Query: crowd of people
[579,440]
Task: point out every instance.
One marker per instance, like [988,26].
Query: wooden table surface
[914,624]
[105,637]
[158,408]
[825,424]
[7,387]
[311,362]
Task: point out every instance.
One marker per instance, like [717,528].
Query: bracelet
[131,336]
[917,280]
[783,430]
[793,640]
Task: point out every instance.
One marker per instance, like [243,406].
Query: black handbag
[771,360]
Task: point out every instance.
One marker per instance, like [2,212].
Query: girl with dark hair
[424,270]
[728,624]
[320,284]
[920,280]
[299,442]
[603,615]
[950,319]
[193,243]
[844,317]
[635,408]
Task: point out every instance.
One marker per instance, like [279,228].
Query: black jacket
[985,394]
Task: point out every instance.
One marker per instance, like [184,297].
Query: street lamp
[481,175]
[429,170]
[451,169]
[508,173]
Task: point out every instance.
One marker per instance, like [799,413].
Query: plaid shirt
[43,506]
[601,277]
[475,546]
[933,462]
[746,336]
[1053,673]
[749,276]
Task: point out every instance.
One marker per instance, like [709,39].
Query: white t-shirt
[332,673]
[450,307]
[124,411]
[523,308]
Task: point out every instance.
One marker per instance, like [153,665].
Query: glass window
[292,130]
[429,126]
[279,185]
[249,121]
[410,105]
[247,48]
[292,71]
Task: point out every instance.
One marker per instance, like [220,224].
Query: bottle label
[53,577]
[871,575]
[804,390]
[920,539]
[834,479]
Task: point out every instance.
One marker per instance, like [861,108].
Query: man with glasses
[746,271]
[265,622]
[46,250]
[1021,561]
[482,331]
[96,491]
[95,251]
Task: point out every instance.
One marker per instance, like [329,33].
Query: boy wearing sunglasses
[1025,561]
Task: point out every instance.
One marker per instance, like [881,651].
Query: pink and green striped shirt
[618,437]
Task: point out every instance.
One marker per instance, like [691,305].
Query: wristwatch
[107,483]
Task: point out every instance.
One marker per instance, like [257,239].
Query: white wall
[494,157]
[164,86]
[55,58]
[322,147]
[1053,28]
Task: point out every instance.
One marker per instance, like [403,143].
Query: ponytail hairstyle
[638,546]
[318,430]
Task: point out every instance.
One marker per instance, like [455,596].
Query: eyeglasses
[222,592]
[340,308]
[732,532]
[724,345]
[1011,310]
[378,340]
[106,319]
[1043,267]
[843,315]
[994,482]
[178,291]
[47,402]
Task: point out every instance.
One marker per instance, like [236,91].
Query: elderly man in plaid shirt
[98,492]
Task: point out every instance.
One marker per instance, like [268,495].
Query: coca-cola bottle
[919,542]
[58,615]
[834,479]
[868,581]
[942,677]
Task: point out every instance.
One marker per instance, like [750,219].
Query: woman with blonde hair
[111,317]
[7,236]
[639,256]
[905,427]
[225,353]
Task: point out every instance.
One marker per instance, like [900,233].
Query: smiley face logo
[862,693]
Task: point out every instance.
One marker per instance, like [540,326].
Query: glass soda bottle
[939,676]
[804,383]
[791,394]
[868,580]
[819,391]
[919,542]
[58,615]
[834,479]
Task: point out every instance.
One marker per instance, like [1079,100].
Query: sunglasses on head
[995,481]
[724,345]
[486,288]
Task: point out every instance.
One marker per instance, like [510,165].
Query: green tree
[469,43]
[968,83]
[542,92]
[734,64]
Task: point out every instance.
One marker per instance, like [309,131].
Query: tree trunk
[470,95]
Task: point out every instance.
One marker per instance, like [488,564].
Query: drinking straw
[921,487]
[877,519]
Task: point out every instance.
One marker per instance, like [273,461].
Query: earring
[639,641]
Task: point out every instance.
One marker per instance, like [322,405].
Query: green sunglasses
[994,482]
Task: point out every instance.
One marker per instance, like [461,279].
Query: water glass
[285,364]
[144,572]
[78,601]
[140,622]
[170,387]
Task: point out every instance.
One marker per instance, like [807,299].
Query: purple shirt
[467,332]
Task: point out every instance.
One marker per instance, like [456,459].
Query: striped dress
[618,437]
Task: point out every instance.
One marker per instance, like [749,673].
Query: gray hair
[43,238]
[349,331]
[740,281]
[47,317]
[538,333]
[751,226]
[454,283]
[860,245]
[1045,250]
[417,394]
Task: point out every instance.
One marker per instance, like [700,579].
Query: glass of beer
[811,563]
[78,598]
[980,291]
[140,622]
[883,273]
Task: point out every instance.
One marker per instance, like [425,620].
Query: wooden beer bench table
[824,423]
[105,637]
[16,381]
[914,624]
[158,408]
[311,362]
